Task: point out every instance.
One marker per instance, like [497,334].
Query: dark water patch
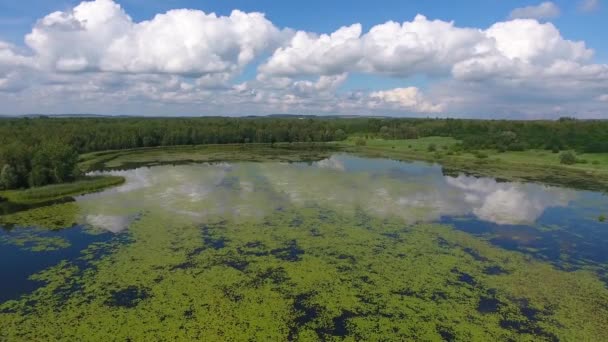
[574,244]
[19,263]
[184,266]
[488,304]
[405,293]
[340,326]
[189,314]
[527,322]
[439,296]
[254,248]
[237,264]
[212,241]
[196,251]
[447,334]
[273,275]
[443,243]
[495,270]
[291,252]
[464,277]
[350,258]
[304,313]
[128,297]
[475,255]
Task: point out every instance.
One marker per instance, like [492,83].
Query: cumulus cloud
[100,36]
[422,45]
[545,10]
[309,53]
[95,57]
[409,98]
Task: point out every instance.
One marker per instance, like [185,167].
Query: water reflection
[508,203]
[414,192]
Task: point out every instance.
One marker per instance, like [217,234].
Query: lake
[343,248]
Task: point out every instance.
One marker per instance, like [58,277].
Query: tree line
[44,150]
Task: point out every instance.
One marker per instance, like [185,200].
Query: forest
[44,150]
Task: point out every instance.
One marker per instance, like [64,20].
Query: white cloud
[507,203]
[308,53]
[409,98]
[95,57]
[100,36]
[589,5]
[545,10]
[391,48]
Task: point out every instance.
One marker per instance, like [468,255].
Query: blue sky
[362,81]
[18,17]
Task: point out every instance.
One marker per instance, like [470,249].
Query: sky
[492,59]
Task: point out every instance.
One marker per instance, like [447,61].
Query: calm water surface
[365,222]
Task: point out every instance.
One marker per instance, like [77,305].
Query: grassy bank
[58,191]
[205,153]
[531,165]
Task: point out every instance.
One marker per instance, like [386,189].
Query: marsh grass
[286,152]
[58,191]
[531,165]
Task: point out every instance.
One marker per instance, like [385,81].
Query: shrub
[432,148]
[360,142]
[480,155]
[567,158]
[601,218]
[595,162]
[517,146]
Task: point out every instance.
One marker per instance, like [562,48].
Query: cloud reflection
[244,191]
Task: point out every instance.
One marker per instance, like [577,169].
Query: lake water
[347,247]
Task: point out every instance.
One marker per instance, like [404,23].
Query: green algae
[270,280]
[55,216]
[286,252]
[35,243]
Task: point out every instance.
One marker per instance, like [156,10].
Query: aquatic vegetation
[55,216]
[339,249]
[58,191]
[270,280]
[35,242]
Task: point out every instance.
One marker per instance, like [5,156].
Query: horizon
[523,60]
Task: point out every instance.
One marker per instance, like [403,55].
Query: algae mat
[342,249]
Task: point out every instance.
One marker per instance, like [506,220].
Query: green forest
[44,150]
